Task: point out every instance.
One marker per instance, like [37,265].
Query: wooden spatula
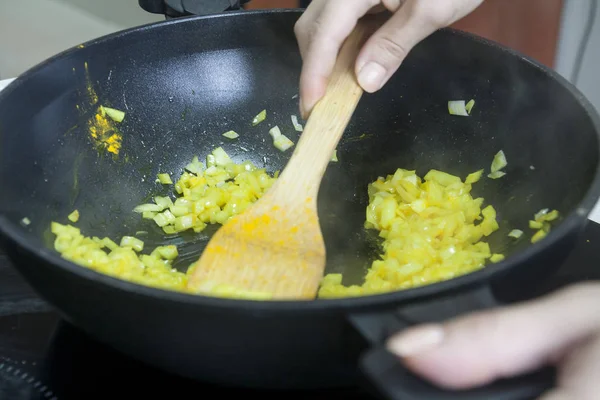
[276,247]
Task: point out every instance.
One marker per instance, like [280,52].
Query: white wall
[574,20]
[120,12]
[33,30]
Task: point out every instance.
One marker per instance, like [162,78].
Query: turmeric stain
[101,128]
[104,134]
[252,226]
[88,85]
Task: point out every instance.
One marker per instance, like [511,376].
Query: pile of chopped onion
[432,230]
[208,195]
[124,261]
[205,195]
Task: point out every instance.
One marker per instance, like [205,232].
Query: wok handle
[390,379]
[178,8]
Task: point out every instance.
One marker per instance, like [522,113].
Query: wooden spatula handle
[327,122]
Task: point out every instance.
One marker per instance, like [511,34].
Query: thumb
[412,22]
[385,50]
[480,348]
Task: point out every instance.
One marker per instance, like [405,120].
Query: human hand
[325,24]
[561,329]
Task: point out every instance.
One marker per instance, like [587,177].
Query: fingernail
[416,340]
[302,110]
[371,76]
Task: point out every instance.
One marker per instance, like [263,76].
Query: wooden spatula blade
[278,253]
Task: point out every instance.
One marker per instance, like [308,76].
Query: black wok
[183,83]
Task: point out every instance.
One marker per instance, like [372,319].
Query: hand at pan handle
[562,329]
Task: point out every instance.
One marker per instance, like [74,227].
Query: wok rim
[572,222]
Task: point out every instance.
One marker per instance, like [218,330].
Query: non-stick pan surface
[182,84]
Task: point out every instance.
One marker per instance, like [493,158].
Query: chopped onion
[275,132]
[496,258]
[259,118]
[74,216]
[536,225]
[539,235]
[212,196]
[211,171]
[457,107]
[280,141]
[540,214]
[295,96]
[183,223]
[499,162]
[165,179]
[334,157]
[179,211]
[418,206]
[551,216]
[474,177]
[210,161]
[297,126]
[149,214]
[115,115]
[169,229]
[496,175]
[164,218]
[195,167]
[469,106]
[134,243]
[221,157]
[164,202]
[142,208]
[25,221]
[167,252]
[515,233]
[231,135]
[109,244]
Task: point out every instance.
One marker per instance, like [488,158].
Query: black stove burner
[45,358]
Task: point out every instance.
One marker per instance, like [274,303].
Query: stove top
[43,357]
